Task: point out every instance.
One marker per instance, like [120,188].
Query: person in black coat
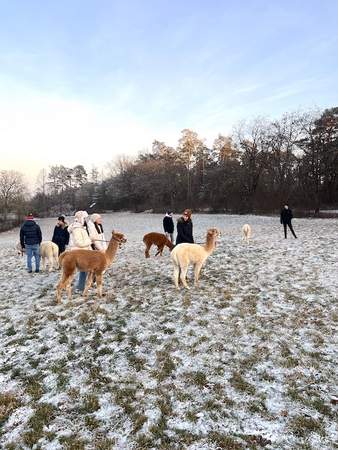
[285,218]
[30,240]
[168,225]
[184,228]
[61,235]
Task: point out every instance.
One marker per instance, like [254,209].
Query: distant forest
[262,165]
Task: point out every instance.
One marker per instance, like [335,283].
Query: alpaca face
[213,232]
[119,237]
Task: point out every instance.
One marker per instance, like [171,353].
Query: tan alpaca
[94,262]
[246,231]
[158,239]
[185,254]
[49,251]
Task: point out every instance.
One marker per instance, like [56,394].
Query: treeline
[262,165]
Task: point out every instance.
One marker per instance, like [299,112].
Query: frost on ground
[247,361]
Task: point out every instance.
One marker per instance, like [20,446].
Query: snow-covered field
[246,361]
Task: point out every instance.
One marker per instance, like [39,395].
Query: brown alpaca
[93,262]
[158,239]
[185,254]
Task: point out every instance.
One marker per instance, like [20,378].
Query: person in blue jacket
[30,240]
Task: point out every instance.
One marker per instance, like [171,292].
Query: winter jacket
[61,236]
[97,236]
[30,233]
[286,215]
[168,224]
[79,238]
[184,231]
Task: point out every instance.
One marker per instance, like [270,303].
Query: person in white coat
[96,234]
[79,239]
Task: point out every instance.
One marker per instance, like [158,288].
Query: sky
[83,81]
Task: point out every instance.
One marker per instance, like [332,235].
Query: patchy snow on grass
[246,361]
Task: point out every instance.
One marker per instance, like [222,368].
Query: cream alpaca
[246,230]
[185,254]
[94,262]
[49,251]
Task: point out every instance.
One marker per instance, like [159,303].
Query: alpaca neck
[209,246]
[111,251]
[169,244]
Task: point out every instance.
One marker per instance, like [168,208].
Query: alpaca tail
[61,258]
[174,258]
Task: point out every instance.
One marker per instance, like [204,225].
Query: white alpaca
[185,254]
[19,249]
[50,251]
[246,230]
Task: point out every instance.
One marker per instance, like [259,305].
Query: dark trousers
[288,224]
[62,248]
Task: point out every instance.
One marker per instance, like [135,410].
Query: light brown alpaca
[185,254]
[93,262]
[158,239]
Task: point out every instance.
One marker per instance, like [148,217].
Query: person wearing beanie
[61,235]
[79,239]
[30,239]
[96,234]
[184,228]
[168,225]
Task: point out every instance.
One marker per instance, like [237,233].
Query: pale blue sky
[81,81]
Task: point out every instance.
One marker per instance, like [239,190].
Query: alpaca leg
[99,284]
[184,270]
[89,283]
[60,286]
[43,263]
[159,250]
[147,255]
[176,276]
[69,286]
[197,271]
[50,263]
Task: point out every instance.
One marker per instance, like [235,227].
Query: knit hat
[80,216]
[30,216]
[94,217]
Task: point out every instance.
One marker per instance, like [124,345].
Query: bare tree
[12,190]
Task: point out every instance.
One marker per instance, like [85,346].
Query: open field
[247,361]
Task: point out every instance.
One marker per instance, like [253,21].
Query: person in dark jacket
[184,228]
[61,235]
[285,218]
[168,225]
[30,239]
